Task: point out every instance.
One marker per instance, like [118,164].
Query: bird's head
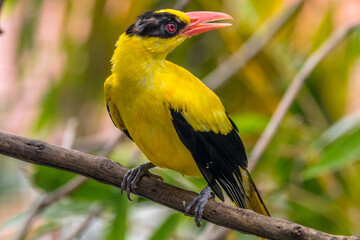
[160,31]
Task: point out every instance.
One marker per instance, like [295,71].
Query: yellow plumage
[139,93]
[144,92]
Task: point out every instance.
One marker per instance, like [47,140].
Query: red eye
[171,27]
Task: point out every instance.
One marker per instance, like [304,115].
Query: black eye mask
[152,24]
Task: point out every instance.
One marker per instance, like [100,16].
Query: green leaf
[49,107]
[337,130]
[325,29]
[45,228]
[94,191]
[250,123]
[119,224]
[66,208]
[308,216]
[16,220]
[165,231]
[342,152]
[50,179]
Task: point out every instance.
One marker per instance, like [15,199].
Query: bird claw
[199,202]
[132,177]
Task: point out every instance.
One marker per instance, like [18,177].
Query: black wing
[219,157]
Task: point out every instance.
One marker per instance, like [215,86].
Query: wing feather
[218,156]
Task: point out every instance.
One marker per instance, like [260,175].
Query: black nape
[151,24]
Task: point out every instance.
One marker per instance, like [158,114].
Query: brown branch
[47,199]
[106,171]
[68,188]
[293,91]
[250,48]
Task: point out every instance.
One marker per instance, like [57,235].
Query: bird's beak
[200,22]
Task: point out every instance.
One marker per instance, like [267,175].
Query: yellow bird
[176,121]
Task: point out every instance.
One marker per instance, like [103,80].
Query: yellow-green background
[54,58]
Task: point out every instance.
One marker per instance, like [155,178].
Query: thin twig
[250,48]
[306,101]
[47,200]
[181,4]
[70,133]
[94,212]
[213,232]
[109,172]
[111,144]
[293,90]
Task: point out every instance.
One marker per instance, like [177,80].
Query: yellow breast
[142,90]
[147,118]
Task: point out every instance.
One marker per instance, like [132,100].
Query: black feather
[219,157]
[151,24]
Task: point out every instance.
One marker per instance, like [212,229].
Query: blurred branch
[307,102]
[69,187]
[47,200]
[95,211]
[181,4]
[293,90]
[250,48]
[111,144]
[70,132]
[106,171]
[213,232]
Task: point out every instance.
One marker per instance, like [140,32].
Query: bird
[175,119]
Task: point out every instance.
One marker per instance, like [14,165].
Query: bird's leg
[199,202]
[133,175]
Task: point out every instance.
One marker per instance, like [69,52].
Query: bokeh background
[54,58]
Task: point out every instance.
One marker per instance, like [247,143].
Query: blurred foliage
[309,173]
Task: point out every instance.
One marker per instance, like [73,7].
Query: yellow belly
[151,128]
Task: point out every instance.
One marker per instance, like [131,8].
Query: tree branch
[63,191]
[106,171]
[181,4]
[47,200]
[250,48]
[293,91]
[95,211]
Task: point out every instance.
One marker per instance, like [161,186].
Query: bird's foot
[199,202]
[133,175]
